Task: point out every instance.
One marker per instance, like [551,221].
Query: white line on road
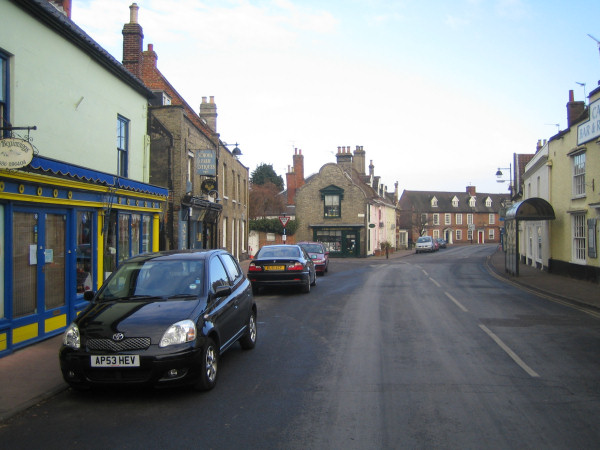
[456,302]
[510,353]
[435,282]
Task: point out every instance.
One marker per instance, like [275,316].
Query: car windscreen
[162,279]
[423,239]
[313,248]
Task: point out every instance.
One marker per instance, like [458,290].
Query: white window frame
[578,232]
[447,219]
[459,219]
[436,219]
[459,235]
[472,202]
[492,219]
[455,202]
[469,219]
[579,175]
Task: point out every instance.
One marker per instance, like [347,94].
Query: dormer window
[472,202]
[455,202]
[434,202]
[488,202]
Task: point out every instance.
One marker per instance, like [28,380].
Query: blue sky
[439,93]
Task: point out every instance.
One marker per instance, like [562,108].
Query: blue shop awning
[83,173]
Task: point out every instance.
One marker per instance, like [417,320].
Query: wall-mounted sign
[15,153]
[206,162]
[591,129]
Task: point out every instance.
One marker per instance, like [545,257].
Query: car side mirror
[88,295]
[222,291]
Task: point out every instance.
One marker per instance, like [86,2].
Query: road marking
[456,302]
[435,282]
[425,272]
[513,355]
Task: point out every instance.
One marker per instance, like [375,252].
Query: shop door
[39,274]
[350,243]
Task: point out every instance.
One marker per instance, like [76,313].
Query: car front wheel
[210,365]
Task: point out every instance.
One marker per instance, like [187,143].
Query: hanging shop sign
[15,153]
[206,162]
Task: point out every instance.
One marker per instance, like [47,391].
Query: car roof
[193,254]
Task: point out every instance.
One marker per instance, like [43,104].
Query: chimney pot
[133,13]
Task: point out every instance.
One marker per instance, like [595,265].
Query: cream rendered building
[574,157]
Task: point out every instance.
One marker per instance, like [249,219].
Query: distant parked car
[282,265]
[318,254]
[162,319]
[425,244]
[441,242]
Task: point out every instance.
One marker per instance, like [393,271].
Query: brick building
[457,217]
[208,185]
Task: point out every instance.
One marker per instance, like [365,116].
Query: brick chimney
[208,112]
[133,39]
[295,176]
[344,158]
[64,6]
[574,109]
[359,160]
[471,191]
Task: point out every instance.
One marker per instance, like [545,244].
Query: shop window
[85,261]
[331,239]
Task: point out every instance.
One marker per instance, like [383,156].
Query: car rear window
[313,248]
[278,252]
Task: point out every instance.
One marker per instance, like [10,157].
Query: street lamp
[499,176]
[236,152]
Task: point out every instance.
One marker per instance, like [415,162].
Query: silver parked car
[425,244]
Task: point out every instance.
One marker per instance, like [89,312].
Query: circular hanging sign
[208,185]
[15,153]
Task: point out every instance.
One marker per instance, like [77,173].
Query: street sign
[284,220]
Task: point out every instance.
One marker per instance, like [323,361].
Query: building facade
[458,217]
[574,161]
[346,209]
[208,185]
[80,202]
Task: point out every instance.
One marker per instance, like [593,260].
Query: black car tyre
[314,283]
[255,290]
[306,286]
[209,367]
[248,340]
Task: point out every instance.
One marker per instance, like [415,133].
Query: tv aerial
[597,41]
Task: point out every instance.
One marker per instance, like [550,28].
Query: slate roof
[420,201]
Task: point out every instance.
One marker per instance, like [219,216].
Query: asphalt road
[426,351]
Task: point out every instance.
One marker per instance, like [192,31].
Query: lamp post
[236,152]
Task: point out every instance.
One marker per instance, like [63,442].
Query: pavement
[32,375]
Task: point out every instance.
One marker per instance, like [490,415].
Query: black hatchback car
[282,265]
[162,319]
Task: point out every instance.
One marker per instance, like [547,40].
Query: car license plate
[274,267]
[115,360]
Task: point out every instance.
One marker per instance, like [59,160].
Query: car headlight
[71,337]
[179,333]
